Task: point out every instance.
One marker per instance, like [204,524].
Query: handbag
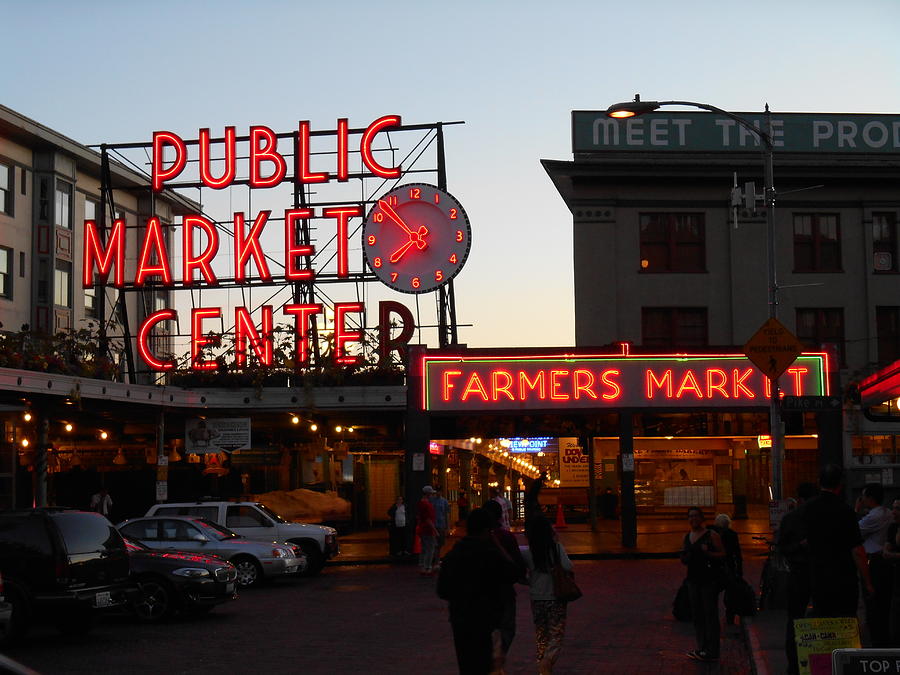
[681,606]
[564,586]
[740,598]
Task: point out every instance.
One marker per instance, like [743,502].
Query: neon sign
[514,383]
[528,444]
[104,253]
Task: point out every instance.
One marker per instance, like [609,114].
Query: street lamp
[638,107]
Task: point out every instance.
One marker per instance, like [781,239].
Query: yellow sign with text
[817,638]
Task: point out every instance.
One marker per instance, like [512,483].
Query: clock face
[416,238]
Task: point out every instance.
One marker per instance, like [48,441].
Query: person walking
[462,504]
[426,531]
[506,629]
[891,553]
[498,497]
[836,553]
[397,527]
[791,543]
[471,579]
[101,502]
[441,524]
[734,562]
[704,555]
[874,523]
[545,552]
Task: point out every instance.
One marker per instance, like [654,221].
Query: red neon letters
[268,166]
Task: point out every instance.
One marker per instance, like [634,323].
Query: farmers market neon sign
[509,383]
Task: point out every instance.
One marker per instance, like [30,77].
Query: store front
[653,432]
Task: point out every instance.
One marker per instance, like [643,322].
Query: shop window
[673,242]
[884,242]
[62,284]
[887,323]
[63,210]
[6,273]
[671,327]
[6,189]
[817,328]
[90,303]
[817,242]
[91,209]
[875,449]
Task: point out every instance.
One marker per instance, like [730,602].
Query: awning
[881,386]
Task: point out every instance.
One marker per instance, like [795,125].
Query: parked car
[253,560]
[173,581]
[61,565]
[254,520]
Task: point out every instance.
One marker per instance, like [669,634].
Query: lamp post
[639,107]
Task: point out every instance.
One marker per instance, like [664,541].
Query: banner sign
[593,131]
[216,435]
[574,465]
[818,638]
[488,383]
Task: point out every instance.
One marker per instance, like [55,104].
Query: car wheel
[20,620]
[249,571]
[315,561]
[156,601]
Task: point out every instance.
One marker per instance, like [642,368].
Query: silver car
[254,560]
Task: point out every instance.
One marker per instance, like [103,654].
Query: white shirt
[873,527]
[400,515]
[506,509]
[101,504]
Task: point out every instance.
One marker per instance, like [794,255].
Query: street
[388,619]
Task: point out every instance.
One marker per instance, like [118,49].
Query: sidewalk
[762,636]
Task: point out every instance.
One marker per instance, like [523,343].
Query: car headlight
[191,572]
[282,553]
[329,538]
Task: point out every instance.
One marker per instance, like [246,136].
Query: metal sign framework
[425,156]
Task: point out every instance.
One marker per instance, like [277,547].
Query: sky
[110,71]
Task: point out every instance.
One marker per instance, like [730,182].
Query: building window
[884,242]
[817,328]
[887,326]
[668,327]
[7,189]
[90,303]
[91,209]
[63,210]
[62,284]
[817,242]
[6,273]
[672,242]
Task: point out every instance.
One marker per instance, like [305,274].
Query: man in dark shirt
[791,543]
[835,549]
[473,577]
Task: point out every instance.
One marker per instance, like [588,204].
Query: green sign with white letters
[593,131]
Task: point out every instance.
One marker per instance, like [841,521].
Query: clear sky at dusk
[111,71]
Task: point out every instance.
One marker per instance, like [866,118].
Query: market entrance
[633,435]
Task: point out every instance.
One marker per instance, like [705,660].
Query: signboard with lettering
[574,465]
[593,131]
[812,403]
[865,661]
[216,435]
[818,638]
[489,381]
[773,348]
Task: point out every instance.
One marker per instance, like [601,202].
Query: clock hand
[400,252]
[393,216]
[415,238]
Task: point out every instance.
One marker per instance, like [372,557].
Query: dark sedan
[172,581]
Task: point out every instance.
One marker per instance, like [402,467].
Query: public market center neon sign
[268,168]
[548,381]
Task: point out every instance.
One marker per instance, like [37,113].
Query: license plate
[291,570]
[229,587]
[102,599]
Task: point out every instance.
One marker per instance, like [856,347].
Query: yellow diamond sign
[773,348]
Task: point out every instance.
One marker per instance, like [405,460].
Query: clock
[416,238]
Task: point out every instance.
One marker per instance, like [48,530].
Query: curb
[758,660]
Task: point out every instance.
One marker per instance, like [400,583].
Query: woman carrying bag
[545,556]
[704,555]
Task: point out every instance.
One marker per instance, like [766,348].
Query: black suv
[61,565]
